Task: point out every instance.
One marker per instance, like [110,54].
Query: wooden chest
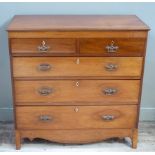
[77,79]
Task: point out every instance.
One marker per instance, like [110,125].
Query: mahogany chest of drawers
[77,79]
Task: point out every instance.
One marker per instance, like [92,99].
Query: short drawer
[77,92]
[106,67]
[43,46]
[76,117]
[113,47]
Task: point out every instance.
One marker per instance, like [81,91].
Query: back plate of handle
[112,48]
[108,117]
[110,91]
[111,67]
[44,67]
[43,47]
[44,91]
[45,118]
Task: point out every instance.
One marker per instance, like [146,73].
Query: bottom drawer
[76,117]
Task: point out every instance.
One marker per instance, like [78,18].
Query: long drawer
[76,117]
[73,92]
[108,67]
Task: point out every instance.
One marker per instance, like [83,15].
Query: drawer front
[107,67]
[76,117]
[43,46]
[113,47]
[73,92]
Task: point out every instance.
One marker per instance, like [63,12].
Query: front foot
[18,140]
[134,138]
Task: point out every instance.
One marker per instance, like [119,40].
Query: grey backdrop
[146,11]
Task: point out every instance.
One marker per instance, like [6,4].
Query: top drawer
[113,47]
[41,46]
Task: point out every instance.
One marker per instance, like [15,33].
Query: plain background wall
[146,11]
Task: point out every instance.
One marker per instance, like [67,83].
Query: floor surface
[146,142]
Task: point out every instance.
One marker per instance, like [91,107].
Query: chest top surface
[76,22]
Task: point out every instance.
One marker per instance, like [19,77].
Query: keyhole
[76,109]
[77,61]
[77,84]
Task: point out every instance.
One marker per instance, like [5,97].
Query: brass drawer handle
[110,91]
[111,67]
[44,67]
[44,91]
[45,118]
[112,48]
[43,47]
[108,117]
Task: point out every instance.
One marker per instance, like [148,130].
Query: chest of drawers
[77,79]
